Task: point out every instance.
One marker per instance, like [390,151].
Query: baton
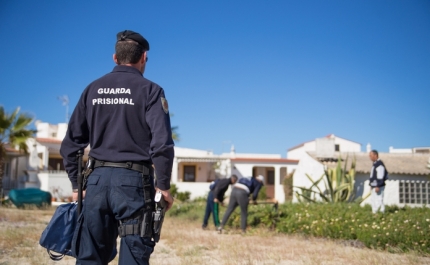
[79,156]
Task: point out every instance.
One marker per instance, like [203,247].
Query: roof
[10,151]
[327,136]
[396,163]
[48,140]
[264,160]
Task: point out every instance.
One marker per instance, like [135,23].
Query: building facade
[192,171]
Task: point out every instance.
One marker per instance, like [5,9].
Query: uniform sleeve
[77,138]
[162,146]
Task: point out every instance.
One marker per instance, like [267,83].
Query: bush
[400,229]
[181,196]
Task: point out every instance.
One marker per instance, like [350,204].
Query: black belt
[142,168]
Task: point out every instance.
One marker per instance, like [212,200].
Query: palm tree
[13,132]
[175,134]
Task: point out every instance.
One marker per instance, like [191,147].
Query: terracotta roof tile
[49,140]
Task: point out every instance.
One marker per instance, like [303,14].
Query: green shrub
[181,196]
[399,229]
[262,194]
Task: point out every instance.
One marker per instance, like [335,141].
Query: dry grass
[184,242]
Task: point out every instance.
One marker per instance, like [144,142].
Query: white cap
[261,178]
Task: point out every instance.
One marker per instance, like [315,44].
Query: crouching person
[240,197]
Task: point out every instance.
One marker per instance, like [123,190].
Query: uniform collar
[125,68]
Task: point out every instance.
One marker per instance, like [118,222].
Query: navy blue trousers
[112,194]
[211,207]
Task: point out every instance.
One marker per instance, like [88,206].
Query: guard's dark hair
[128,52]
[375,152]
[234,177]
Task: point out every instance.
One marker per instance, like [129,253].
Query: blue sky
[262,75]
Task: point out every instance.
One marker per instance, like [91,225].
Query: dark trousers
[238,197]
[112,194]
[211,207]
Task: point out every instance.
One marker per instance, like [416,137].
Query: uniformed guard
[124,117]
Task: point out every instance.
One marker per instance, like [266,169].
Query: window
[189,173]
[271,177]
[336,147]
[414,192]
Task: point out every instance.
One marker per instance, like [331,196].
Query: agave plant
[338,182]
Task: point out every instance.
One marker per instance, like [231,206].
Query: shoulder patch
[165,105]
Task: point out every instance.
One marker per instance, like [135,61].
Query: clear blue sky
[262,75]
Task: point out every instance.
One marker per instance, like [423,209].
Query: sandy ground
[186,243]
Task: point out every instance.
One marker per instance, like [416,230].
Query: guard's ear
[143,58]
[114,58]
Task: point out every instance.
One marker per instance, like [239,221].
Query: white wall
[347,146]
[197,189]
[344,145]
[55,181]
[391,193]
[307,165]
[299,152]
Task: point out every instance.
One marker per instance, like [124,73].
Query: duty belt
[140,167]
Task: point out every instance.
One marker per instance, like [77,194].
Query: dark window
[271,177]
[189,173]
[336,147]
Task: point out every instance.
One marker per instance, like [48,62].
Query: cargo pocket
[131,188]
[140,248]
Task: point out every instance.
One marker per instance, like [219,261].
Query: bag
[57,236]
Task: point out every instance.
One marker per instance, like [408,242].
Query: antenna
[65,100]
[223,145]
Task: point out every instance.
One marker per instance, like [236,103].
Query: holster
[160,210]
[145,217]
[89,167]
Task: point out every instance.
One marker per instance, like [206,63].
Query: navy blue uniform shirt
[123,117]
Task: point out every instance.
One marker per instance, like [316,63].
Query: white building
[325,146]
[408,182]
[192,171]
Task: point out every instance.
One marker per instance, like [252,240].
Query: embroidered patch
[165,105]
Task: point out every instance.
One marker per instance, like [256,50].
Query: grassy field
[184,242]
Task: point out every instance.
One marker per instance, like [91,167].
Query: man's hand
[376,189]
[167,197]
[216,200]
[75,196]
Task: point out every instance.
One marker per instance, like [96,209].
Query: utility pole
[65,100]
